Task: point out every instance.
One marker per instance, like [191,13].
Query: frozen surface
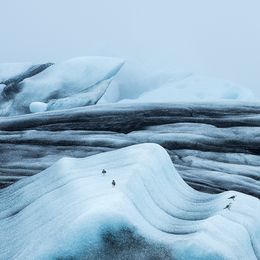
[215,147]
[72,83]
[38,107]
[139,83]
[72,210]
[72,76]
[79,82]
[194,88]
[135,79]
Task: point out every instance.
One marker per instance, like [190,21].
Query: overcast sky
[218,38]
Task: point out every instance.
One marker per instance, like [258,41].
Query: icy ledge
[215,147]
[72,210]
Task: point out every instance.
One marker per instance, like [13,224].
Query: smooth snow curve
[72,210]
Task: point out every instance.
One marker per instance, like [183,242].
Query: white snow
[70,209]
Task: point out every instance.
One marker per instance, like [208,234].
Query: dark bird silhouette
[232,197]
[228,206]
[113,183]
[104,171]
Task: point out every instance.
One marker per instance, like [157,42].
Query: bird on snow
[113,183]
[232,197]
[104,171]
[228,206]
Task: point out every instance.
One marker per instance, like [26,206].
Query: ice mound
[141,83]
[72,210]
[195,88]
[73,83]
[135,79]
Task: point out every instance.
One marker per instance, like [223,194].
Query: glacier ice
[65,85]
[195,88]
[229,132]
[71,210]
[139,83]
[60,83]
[38,107]
[85,98]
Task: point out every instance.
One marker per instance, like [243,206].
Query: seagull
[232,197]
[228,206]
[104,171]
[113,183]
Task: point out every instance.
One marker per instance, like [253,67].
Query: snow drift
[71,210]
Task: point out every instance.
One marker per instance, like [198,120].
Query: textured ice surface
[215,147]
[72,210]
[72,76]
[72,83]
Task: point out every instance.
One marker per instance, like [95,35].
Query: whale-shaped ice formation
[75,82]
[72,210]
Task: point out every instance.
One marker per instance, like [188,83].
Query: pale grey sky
[218,38]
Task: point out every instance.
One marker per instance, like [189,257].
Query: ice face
[72,210]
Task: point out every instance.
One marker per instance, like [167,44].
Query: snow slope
[72,210]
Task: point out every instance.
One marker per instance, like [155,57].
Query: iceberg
[107,181]
[72,210]
[195,88]
[62,81]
